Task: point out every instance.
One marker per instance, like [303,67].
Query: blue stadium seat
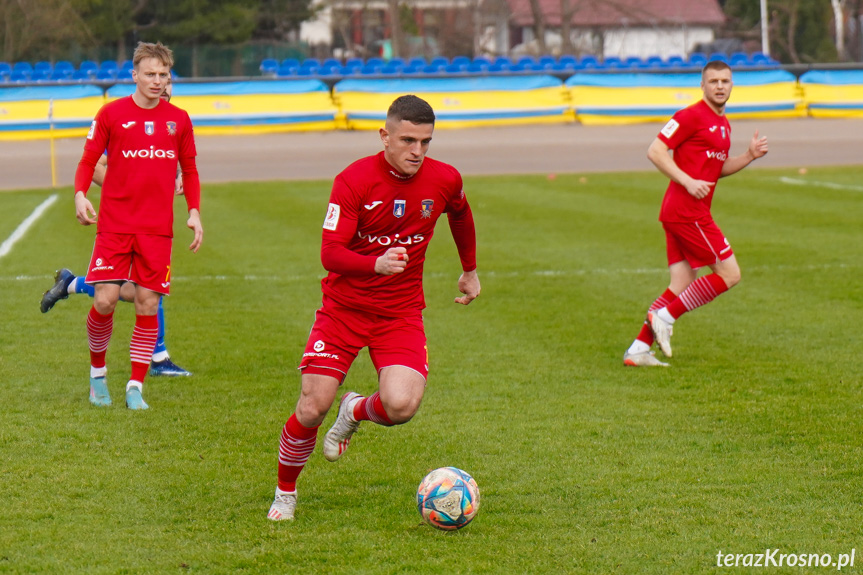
[65,66]
[415,62]
[61,76]
[655,62]
[289,63]
[108,67]
[526,62]
[43,68]
[269,66]
[23,68]
[40,75]
[124,74]
[547,61]
[352,66]
[435,68]
[126,66]
[90,67]
[762,59]
[287,70]
[739,60]
[498,67]
[721,56]
[590,63]
[675,62]
[5,71]
[634,63]
[697,59]
[439,61]
[374,62]
[394,66]
[373,69]
[502,61]
[461,60]
[613,62]
[19,77]
[81,75]
[479,66]
[311,63]
[457,68]
[107,75]
[306,71]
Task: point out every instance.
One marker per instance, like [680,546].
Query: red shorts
[141,258]
[699,243]
[339,333]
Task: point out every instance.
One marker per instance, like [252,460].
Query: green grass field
[750,441]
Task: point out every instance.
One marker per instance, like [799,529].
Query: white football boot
[339,436]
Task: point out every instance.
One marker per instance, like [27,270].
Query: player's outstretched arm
[468,284]
[84,209]
[757,148]
[194,223]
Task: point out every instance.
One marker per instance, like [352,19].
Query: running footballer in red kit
[379,222]
[145,138]
[700,137]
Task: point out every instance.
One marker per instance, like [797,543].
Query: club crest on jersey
[426,209]
[172,128]
[399,208]
[149,128]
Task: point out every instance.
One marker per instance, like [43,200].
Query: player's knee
[731,277]
[402,410]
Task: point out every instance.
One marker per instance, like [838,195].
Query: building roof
[622,13]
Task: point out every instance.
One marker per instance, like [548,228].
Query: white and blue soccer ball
[448,498]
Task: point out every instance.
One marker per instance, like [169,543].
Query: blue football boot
[166,367]
[134,399]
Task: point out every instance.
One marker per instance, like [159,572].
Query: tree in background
[39,30]
[801,31]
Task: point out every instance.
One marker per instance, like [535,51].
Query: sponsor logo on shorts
[326,355]
[399,208]
[319,346]
[332,219]
[101,265]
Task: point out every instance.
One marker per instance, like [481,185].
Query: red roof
[622,13]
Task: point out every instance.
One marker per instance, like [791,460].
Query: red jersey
[374,208]
[144,147]
[700,139]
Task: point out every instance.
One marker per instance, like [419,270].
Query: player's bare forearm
[468,284]
[194,223]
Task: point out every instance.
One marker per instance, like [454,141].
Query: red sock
[295,448]
[700,292]
[646,333]
[99,328]
[371,408]
[143,343]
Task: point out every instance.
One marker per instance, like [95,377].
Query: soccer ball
[448,498]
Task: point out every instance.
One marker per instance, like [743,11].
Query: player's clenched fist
[392,262]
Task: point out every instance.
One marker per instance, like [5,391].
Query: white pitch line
[831,185]
[22,228]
